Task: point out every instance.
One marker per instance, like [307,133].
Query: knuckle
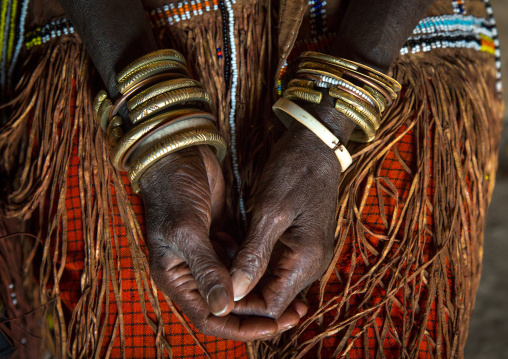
[253,259]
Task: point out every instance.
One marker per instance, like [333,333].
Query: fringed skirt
[410,214]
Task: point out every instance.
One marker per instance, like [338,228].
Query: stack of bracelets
[168,111]
[360,92]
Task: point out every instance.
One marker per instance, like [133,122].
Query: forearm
[115,33]
[372,32]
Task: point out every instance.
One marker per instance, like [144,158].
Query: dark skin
[291,235]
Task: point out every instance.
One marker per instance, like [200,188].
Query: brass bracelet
[168,99]
[361,106]
[312,55]
[351,65]
[173,144]
[304,94]
[321,67]
[98,100]
[149,70]
[160,88]
[318,72]
[367,133]
[378,97]
[119,154]
[146,82]
[379,75]
[159,55]
[164,131]
[114,131]
[103,113]
[301,83]
[387,92]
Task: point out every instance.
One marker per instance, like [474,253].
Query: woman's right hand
[184,196]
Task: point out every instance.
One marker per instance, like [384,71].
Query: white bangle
[287,111]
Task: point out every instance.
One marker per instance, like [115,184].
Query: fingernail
[218,300]
[241,283]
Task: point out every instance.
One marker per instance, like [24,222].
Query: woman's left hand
[291,237]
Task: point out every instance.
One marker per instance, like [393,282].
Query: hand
[291,237]
[184,196]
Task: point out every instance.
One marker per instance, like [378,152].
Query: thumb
[254,255]
[210,275]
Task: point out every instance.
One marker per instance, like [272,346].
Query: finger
[268,224]
[291,270]
[211,276]
[225,246]
[178,283]
[216,183]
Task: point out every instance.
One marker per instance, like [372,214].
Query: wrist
[166,166]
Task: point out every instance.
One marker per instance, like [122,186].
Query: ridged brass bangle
[379,86]
[169,99]
[366,127]
[114,131]
[146,82]
[164,131]
[98,100]
[304,94]
[159,55]
[173,144]
[361,106]
[301,83]
[377,96]
[318,72]
[149,70]
[312,55]
[379,75]
[117,121]
[118,153]
[322,67]
[352,65]
[363,92]
[160,88]
[103,113]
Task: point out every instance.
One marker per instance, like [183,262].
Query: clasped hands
[242,291]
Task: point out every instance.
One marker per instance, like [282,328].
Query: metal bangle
[321,67]
[103,113]
[166,54]
[97,102]
[361,106]
[379,86]
[160,88]
[149,70]
[378,75]
[169,99]
[173,144]
[312,55]
[304,94]
[148,81]
[120,153]
[352,65]
[367,133]
[164,131]
[378,97]
[301,83]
